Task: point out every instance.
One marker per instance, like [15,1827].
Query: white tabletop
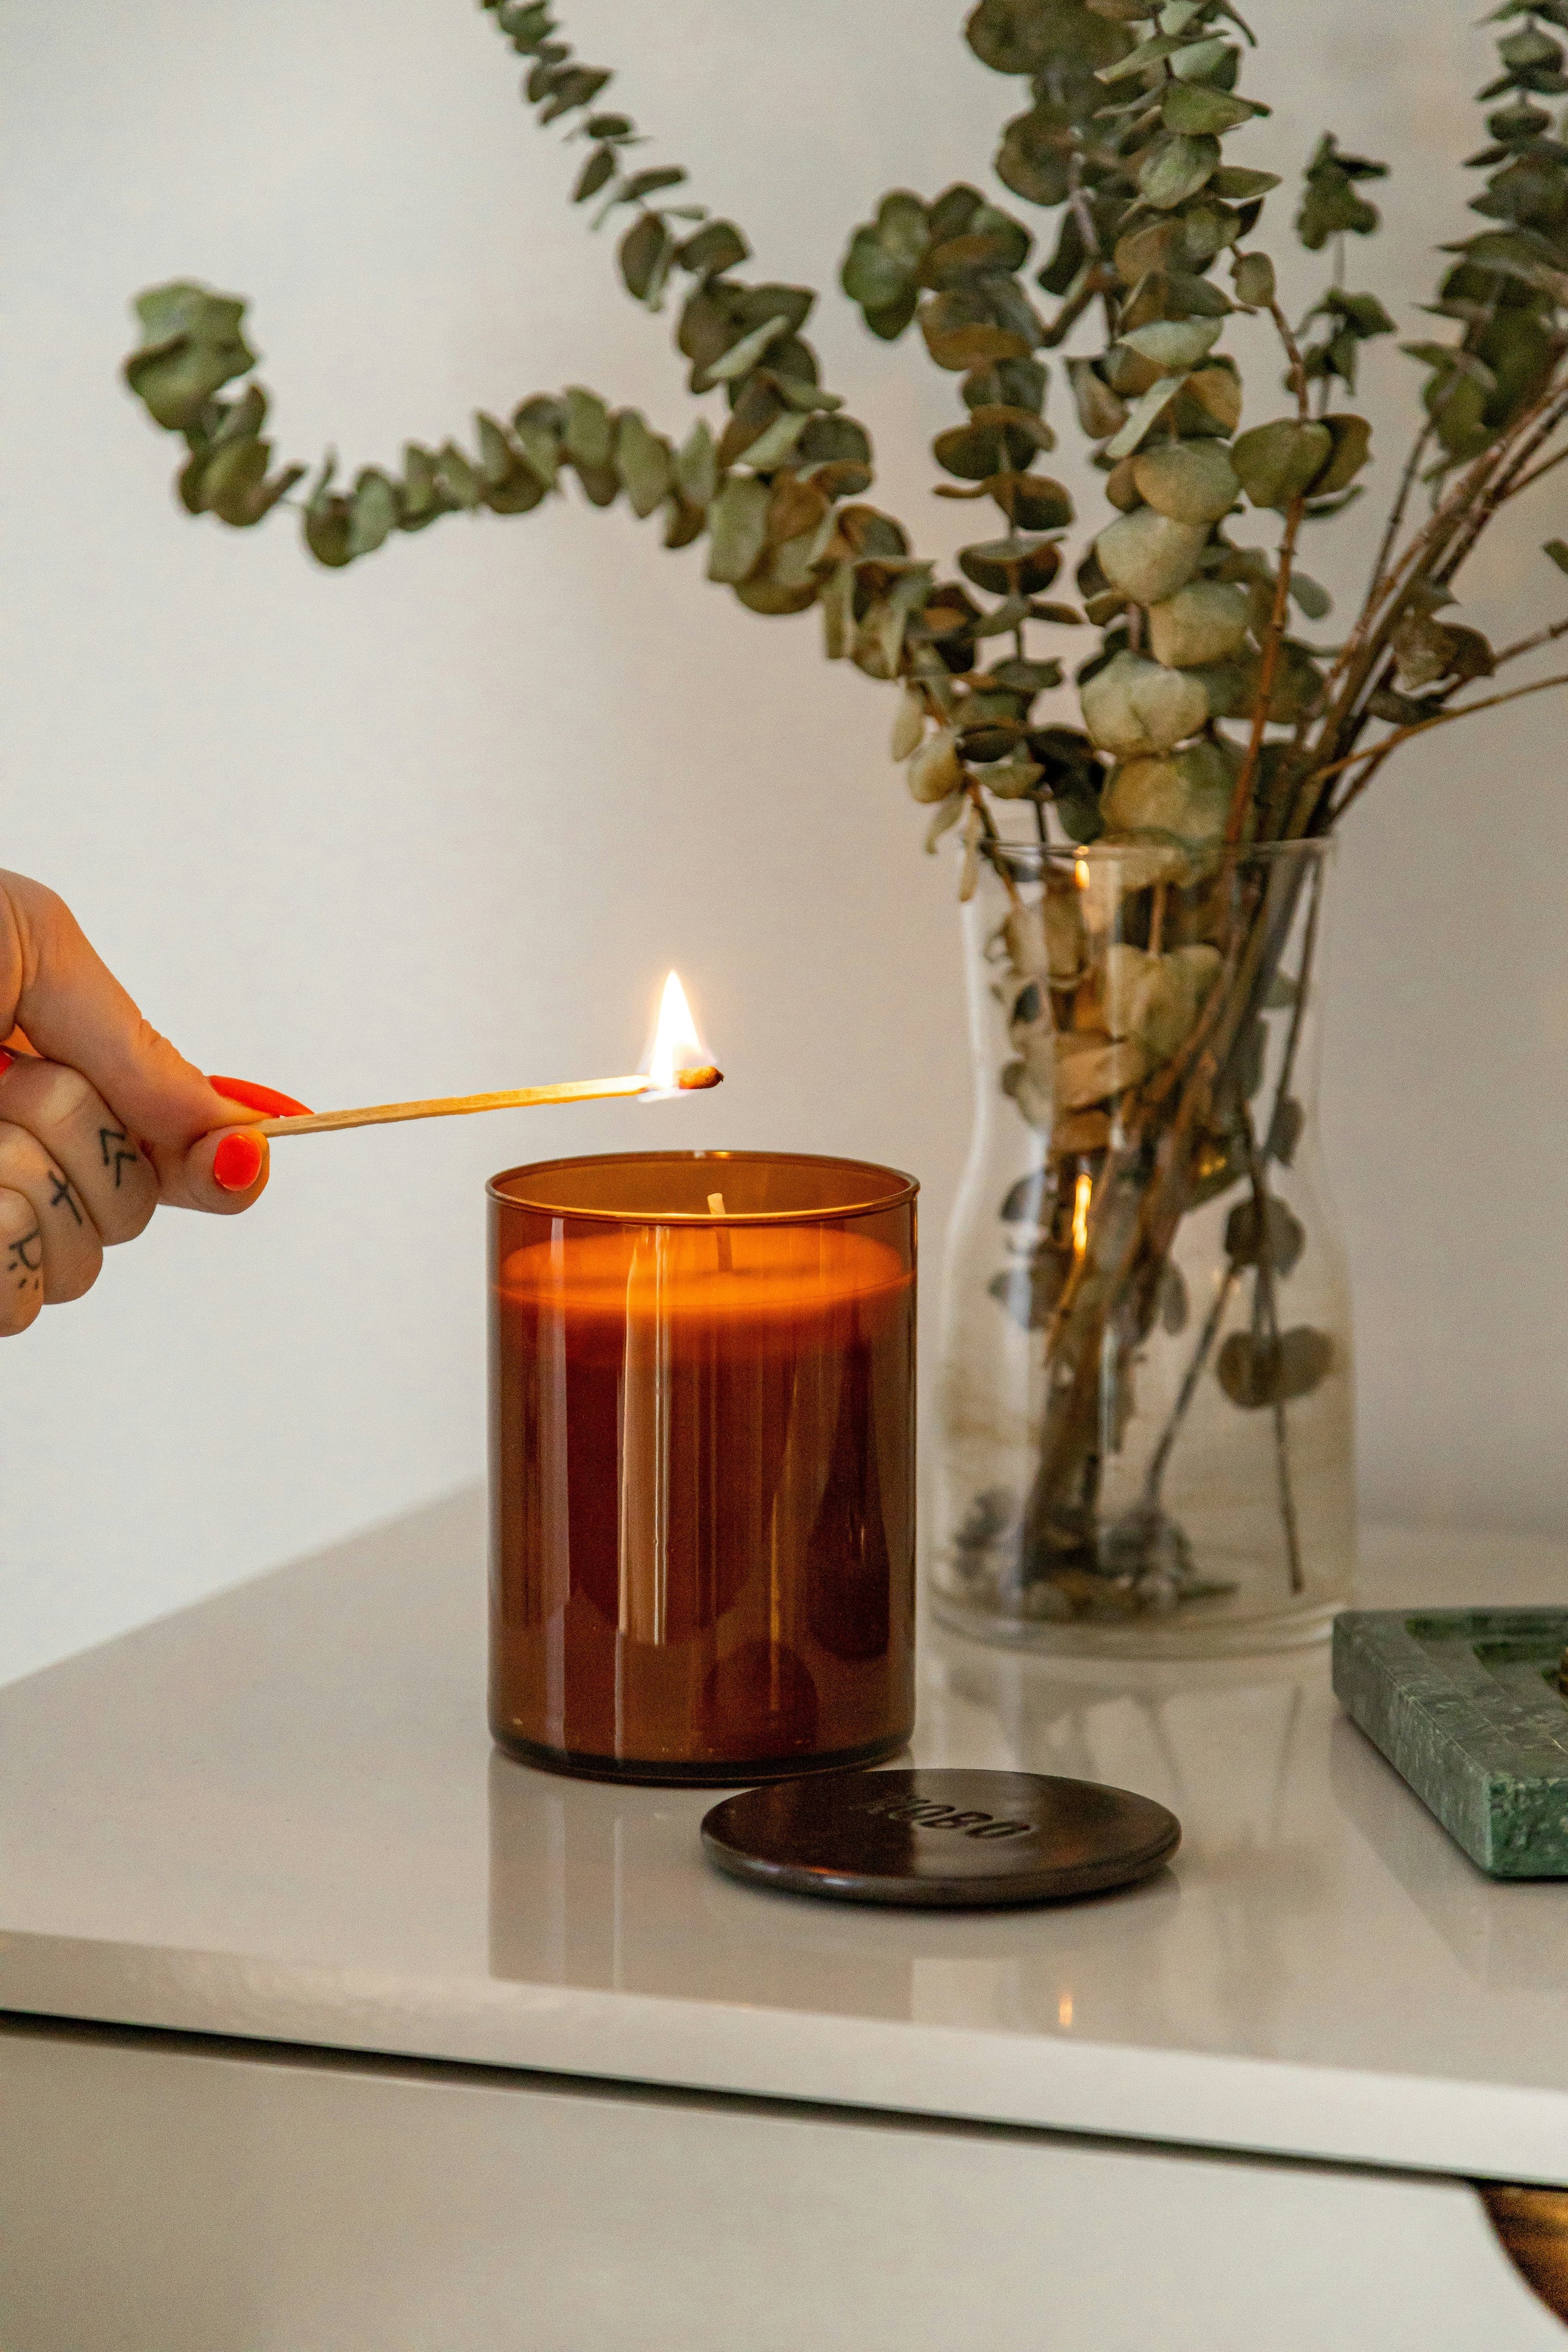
[279,1815]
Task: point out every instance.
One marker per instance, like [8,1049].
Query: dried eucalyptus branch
[1208,721]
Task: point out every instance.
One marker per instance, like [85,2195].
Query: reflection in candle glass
[702,1464]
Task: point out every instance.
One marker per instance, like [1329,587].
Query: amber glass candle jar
[702,1464]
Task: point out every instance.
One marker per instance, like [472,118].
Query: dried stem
[1526,481]
[1275,635]
[1521,442]
[1266,1313]
[1422,726]
[1267,669]
[1418,449]
[1465,507]
[1160,1460]
[1529,644]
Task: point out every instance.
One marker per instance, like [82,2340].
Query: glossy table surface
[279,1815]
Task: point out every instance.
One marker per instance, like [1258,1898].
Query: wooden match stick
[321,1122]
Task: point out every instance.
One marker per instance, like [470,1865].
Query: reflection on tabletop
[1303,1854]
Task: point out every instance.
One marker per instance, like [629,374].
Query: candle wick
[726,1255]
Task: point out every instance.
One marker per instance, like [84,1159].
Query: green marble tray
[1465,1703]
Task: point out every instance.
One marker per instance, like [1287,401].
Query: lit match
[676,1065]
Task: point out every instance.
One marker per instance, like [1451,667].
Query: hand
[100,1119]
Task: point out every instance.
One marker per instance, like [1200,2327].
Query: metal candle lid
[949,1840]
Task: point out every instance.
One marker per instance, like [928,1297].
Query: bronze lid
[957,1840]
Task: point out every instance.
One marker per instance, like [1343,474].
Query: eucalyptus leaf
[328,519]
[934,770]
[375,511]
[1206,621]
[716,248]
[194,344]
[649,182]
[696,466]
[643,252]
[588,435]
[1192,108]
[540,443]
[421,499]
[968,343]
[1215,391]
[1252,275]
[1235,182]
[1278,462]
[1255,1372]
[1276,1239]
[776,442]
[947,815]
[1100,412]
[1195,61]
[595,173]
[909,725]
[873,276]
[1352,447]
[737,527]
[232,478]
[644,462]
[835,441]
[458,480]
[764,593]
[1144,414]
[577,86]
[1314,601]
[1012,778]
[1175,169]
[1148,556]
[1191,481]
[742,357]
[1135,705]
[683,522]
[1175,345]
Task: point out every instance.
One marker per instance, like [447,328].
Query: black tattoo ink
[61,1194]
[22,1254]
[110,1142]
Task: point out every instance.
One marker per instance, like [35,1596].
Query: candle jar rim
[897,1190]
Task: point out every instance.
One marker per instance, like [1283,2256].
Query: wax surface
[719,1272]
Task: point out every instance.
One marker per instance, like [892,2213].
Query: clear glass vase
[1145,1440]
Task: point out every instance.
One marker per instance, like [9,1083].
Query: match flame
[675,1043]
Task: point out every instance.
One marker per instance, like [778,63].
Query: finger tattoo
[25,1260]
[119,1151]
[60,1195]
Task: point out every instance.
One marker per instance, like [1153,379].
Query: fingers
[62,1243]
[223,1172]
[21,1263]
[74,1011]
[112,1181]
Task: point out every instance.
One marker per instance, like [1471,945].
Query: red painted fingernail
[237,1163]
[6,1058]
[262,1098]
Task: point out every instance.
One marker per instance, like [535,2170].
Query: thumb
[54,985]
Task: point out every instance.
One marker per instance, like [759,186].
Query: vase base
[1230,1636]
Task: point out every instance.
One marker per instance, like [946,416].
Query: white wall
[442,822]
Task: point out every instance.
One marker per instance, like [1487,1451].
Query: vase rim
[1069,852]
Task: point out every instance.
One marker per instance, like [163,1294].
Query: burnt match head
[693,1081]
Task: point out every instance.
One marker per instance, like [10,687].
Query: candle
[702,1464]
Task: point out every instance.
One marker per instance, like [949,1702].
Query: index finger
[55,986]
